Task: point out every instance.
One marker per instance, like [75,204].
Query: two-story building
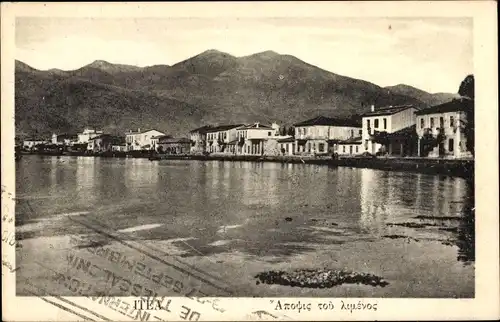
[198,139]
[142,140]
[88,134]
[251,139]
[65,139]
[170,145]
[321,135]
[388,130]
[104,143]
[222,139]
[440,129]
[30,143]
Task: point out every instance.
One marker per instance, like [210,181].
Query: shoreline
[463,168]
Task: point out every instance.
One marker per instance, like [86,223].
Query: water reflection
[466,230]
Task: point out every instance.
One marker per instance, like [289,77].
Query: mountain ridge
[211,87]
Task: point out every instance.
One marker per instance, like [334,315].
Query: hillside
[212,87]
[430,99]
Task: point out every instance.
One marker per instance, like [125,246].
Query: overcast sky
[431,54]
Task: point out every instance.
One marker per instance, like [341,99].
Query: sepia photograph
[242,157]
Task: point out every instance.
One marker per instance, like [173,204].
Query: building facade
[32,142]
[88,134]
[320,135]
[170,145]
[142,140]
[251,139]
[387,120]
[198,139]
[222,139]
[65,139]
[104,143]
[440,129]
[350,147]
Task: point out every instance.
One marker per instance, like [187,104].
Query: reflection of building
[222,139]
[169,145]
[141,140]
[385,130]
[88,134]
[445,123]
[374,197]
[320,135]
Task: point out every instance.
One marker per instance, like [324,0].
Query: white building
[252,138]
[350,147]
[222,139]
[390,119]
[142,140]
[31,142]
[449,120]
[320,135]
[88,134]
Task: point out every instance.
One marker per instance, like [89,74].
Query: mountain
[212,87]
[430,99]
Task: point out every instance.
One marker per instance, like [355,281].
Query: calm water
[268,210]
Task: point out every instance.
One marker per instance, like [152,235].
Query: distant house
[440,129]
[389,130]
[170,145]
[104,143]
[198,138]
[65,139]
[88,134]
[30,143]
[251,139]
[222,139]
[350,147]
[142,140]
[285,145]
[321,134]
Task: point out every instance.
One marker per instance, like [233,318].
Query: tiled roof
[456,105]
[323,120]
[137,132]
[389,110]
[223,128]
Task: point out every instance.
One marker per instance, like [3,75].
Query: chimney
[257,124]
[372,108]
[139,130]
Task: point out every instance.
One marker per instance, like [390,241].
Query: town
[392,131]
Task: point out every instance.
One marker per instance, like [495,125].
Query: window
[308,147]
[286,147]
[450,145]
[385,123]
[452,121]
[432,122]
[375,123]
[268,133]
[321,147]
[368,125]
[441,122]
[352,133]
[360,132]
[343,149]
[422,123]
[356,149]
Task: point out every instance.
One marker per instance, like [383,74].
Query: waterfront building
[30,143]
[441,129]
[389,130]
[320,135]
[350,147]
[170,145]
[251,139]
[88,134]
[198,139]
[65,139]
[285,145]
[105,143]
[222,139]
[142,140]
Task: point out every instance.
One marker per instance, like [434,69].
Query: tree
[467,87]
[291,131]
[466,90]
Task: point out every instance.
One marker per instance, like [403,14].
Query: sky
[433,54]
